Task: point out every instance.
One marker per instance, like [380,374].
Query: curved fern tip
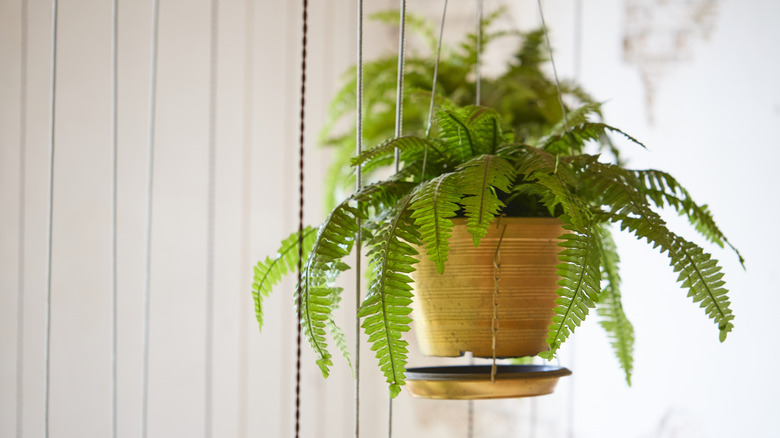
[394,390]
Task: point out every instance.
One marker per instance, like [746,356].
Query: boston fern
[470,167]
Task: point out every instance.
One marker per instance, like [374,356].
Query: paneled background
[695,80]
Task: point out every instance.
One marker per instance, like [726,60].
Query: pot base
[473,382]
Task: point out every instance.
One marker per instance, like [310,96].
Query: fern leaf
[543,167]
[664,190]
[316,294]
[580,288]
[337,334]
[386,307]
[478,180]
[610,308]
[573,141]
[698,271]
[475,130]
[433,206]
[269,272]
[388,148]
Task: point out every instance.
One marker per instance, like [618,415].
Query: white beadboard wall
[714,124]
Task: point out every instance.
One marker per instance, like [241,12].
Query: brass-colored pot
[453,312]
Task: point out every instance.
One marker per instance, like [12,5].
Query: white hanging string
[50,220]
[358,186]
[479,50]
[555,71]
[398,131]
[399,96]
[577,65]
[433,89]
[114,147]
[478,93]
[246,214]
[149,192]
[211,221]
[22,220]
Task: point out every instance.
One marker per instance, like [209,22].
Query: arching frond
[478,180]
[573,141]
[544,168]
[610,308]
[269,272]
[580,288]
[664,190]
[433,206]
[386,307]
[698,271]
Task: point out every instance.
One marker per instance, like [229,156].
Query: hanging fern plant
[479,163]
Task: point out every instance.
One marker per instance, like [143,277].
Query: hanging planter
[461,309]
[474,167]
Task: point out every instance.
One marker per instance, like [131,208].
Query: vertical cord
[246,214]
[114,153]
[22,220]
[148,243]
[50,220]
[398,131]
[211,220]
[399,94]
[555,71]
[436,72]
[577,67]
[478,93]
[358,186]
[479,49]
[300,221]
[433,90]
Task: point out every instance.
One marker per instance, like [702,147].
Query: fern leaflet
[433,206]
[478,180]
[613,319]
[386,307]
[580,288]
[269,272]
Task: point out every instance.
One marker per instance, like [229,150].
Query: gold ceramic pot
[453,312]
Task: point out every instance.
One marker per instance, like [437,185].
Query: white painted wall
[715,125]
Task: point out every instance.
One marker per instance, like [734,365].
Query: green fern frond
[544,168]
[478,180]
[580,284]
[475,130]
[664,190]
[318,296]
[269,272]
[610,308]
[433,205]
[698,271]
[388,147]
[336,333]
[386,307]
[573,141]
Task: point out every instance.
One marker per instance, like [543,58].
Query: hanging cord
[148,243]
[300,221]
[399,96]
[433,90]
[555,71]
[50,220]
[246,214]
[22,220]
[572,348]
[398,131]
[478,82]
[358,186]
[211,220]
[114,153]
[479,49]
[496,290]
